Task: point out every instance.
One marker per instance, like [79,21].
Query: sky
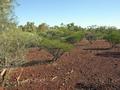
[81,12]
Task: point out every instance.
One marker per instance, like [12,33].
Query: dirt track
[77,70]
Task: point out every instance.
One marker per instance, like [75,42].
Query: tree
[113,38]
[29,27]
[6,13]
[55,47]
[99,31]
[73,27]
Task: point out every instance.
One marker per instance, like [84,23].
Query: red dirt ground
[77,70]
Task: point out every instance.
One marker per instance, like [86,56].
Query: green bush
[113,37]
[13,46]
[74,37]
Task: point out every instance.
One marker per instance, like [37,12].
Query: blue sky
[81,12]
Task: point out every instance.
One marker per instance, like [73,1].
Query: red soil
[77,70]
[1,88]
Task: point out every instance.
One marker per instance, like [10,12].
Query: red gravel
[78,69]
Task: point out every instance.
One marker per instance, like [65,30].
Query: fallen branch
[18,78]
[2,74]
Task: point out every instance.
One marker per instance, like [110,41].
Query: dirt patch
[78,68]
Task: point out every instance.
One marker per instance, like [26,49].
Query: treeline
[94,32]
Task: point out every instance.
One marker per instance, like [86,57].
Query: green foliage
[48,43]
[99,35]
[90,37]
[100,31]
[113,37]
[29,27]
[13,46]
[54,42]
[73,27]
[6,13]
[42,27]
[74,37]
[55,47]
[63,35]
[52,34]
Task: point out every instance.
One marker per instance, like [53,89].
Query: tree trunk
[57,55]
